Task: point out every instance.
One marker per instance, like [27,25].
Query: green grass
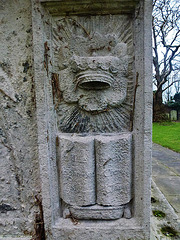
[167,134]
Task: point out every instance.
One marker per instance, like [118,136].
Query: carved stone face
[95,83]
[95,77]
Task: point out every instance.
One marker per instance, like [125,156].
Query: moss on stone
[169,231]
[159,214]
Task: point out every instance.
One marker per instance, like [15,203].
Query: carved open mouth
[94,85]
[94,81]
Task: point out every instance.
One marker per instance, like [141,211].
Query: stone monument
[92,63]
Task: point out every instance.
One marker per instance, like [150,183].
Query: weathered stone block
[95,175]
[77,170]
[97,212]
[114,169]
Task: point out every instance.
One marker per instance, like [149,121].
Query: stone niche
[92,71]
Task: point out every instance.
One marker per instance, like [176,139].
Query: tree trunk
[159,110]
[158,96]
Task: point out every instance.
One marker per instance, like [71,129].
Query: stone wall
[32,130]
[19,171]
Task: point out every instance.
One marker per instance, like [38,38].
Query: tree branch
[170,85]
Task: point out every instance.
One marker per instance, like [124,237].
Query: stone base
[97,212]
[121,229]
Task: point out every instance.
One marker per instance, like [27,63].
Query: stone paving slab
[175,202]
[175,168]
[166,156]
[168,185]
[159,169]
[170,219]
[166,174]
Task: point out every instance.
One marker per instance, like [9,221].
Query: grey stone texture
[19,167]
[85,97]
[75,126]
[96,171]
[114,169]
[97,212]
[165,190]
[97,64]
[166,174]
[171,217]
[77,170]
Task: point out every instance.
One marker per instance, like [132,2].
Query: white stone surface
[173,115]
[77,170]
[114,169]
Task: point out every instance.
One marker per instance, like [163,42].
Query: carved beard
[74,120]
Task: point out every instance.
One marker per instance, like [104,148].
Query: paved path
[166,174]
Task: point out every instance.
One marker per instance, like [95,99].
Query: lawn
[167,135]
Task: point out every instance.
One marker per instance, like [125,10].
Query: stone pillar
[92,67]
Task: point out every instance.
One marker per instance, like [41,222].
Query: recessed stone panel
[92,76]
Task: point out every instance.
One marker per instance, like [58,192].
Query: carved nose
[95,81]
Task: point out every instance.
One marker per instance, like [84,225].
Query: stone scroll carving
[95,175]
[94,65]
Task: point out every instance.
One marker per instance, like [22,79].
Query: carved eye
[113,70]
[74,68]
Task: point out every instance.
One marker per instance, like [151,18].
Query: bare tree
[166,46]
[177,84]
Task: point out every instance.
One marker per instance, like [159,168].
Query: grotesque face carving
[96,82]
[93,72]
